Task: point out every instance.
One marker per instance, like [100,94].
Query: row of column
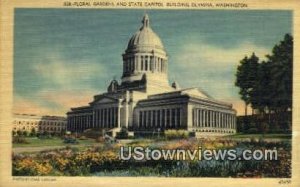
[162,118]
[79,123]
[106,117]
[213,119]
[145,63]
[101,118]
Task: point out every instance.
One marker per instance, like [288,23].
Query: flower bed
[104,161]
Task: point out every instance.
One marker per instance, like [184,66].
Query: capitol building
[144,101]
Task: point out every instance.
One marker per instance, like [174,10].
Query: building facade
[27,122]
[144,101]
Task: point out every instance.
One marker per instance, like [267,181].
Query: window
[178,117]
[151,63]
[142,63]
[146,63]
[153,118]
[140,119]
[173,117]
[158,118]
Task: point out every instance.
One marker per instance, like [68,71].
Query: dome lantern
[146,21]
[145,55]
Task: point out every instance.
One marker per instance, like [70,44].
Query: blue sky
[62,57]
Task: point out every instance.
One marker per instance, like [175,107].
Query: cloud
[201,54]
[212,68]
[29,106]
[68,75]
[63,83]
[68,99]
[52,102]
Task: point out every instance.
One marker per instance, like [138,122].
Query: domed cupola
[145,39]
[145,55]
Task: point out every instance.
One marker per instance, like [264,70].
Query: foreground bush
[20,140]
[104,161]
[176,134]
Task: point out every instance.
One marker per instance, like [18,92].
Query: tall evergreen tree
[281,65]
[267,86]
[246,78]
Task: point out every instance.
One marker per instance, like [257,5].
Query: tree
[33,132]
[25,133]
[267,85]
[281,83]
[19,132]
[246,77]
[281,62]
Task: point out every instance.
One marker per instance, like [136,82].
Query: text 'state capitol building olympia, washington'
[144,102]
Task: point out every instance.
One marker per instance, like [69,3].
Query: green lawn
[265,136]
[36,142]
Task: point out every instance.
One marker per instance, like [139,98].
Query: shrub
[70,140]
[20,140]
[25,133]
[123,134]
[93,133]
[19,133]
[176,134]
[252,131]
[100,139]
[33,132]
[82,138]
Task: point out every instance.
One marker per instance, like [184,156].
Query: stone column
[87,122]
[165,117]
[95,117]
[160,118]
[198,117]
[204,118]
[171,118]
[232,119]
[156,117]
[175,118]
[166,66]
[145,119]
[226,116]
[209,117]
[234,123]
[103,118]
[151,118]
[108,117]
[213,118]
[220,120]
[112,117]
[100,117]
[142,119]
[195,117]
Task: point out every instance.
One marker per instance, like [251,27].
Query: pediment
[105,99]
[196,92]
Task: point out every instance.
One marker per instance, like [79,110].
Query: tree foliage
[246,77]
[267,85]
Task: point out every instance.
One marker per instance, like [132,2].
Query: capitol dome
[145,38]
